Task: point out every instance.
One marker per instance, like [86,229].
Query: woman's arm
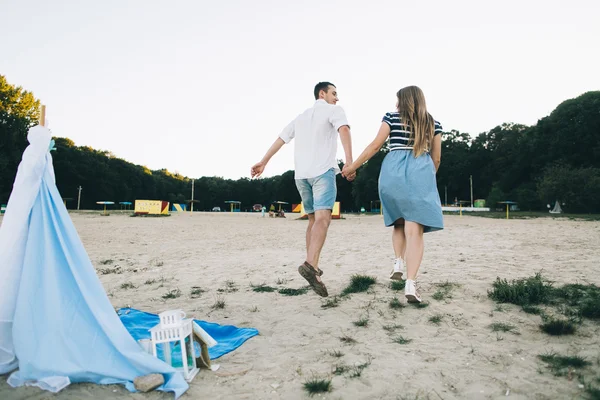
[371,150]
[436,151]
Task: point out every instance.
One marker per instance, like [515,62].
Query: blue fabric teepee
[56,322]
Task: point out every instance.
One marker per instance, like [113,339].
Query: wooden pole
[43,116]
[506,210]
[192,205]
[471,181]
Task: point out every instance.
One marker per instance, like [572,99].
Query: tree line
[558,158]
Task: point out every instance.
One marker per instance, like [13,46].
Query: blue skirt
[408,190]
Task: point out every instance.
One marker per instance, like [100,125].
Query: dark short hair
[322,86]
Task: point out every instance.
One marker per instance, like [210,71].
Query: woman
[407,184]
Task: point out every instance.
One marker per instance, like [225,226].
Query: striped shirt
[399,133]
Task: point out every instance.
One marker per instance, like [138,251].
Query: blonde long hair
[413,113]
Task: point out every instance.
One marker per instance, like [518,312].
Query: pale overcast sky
[204,87]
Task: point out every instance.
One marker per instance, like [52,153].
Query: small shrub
[502,327]
[436,319]
[395,304]
[532,309]
[402,340]
[340,369]
[444,290]
[357,370]
[292,292]
[262,288]
[108,271]
[229,287]
[219,304]
[316,385]
[558,364]
[558,327]
[172,294]
[391,328]
[335,353]
[362,322]
[359,283]
[331,303]
[127,285]
[529,291]
[347,340]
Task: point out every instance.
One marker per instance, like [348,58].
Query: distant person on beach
[316,131]
[407,184]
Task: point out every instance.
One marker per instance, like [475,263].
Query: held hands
[257,169]
[349,172]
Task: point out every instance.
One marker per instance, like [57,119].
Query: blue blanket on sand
[228,337]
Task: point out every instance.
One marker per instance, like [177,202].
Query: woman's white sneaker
[399,271]
[411,292]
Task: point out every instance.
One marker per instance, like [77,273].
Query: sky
[203,88]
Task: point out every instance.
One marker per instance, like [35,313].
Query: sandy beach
[461,358]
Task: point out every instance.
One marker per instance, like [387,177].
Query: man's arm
[258,168]
[346,139]
[286,135]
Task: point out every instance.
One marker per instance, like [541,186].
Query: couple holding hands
[407,181]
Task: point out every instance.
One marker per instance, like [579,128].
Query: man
[316,131]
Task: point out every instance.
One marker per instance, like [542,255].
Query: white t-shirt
[316,133]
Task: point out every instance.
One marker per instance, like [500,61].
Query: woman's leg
[414,248]
[399,244]
[399,239]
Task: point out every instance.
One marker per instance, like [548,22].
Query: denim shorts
[318,193]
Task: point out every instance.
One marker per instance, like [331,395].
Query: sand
[459,359]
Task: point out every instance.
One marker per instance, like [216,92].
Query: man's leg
[305,189]
[318,234]
[324,192]
[311,222]
[322,195]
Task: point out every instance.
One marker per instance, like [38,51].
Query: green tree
[577,188]
[495,195]
[558,158]
[19,111]
[455,168]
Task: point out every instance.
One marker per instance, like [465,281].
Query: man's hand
[257,169]
[349,173]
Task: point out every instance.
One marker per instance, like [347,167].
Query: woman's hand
[349,172]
